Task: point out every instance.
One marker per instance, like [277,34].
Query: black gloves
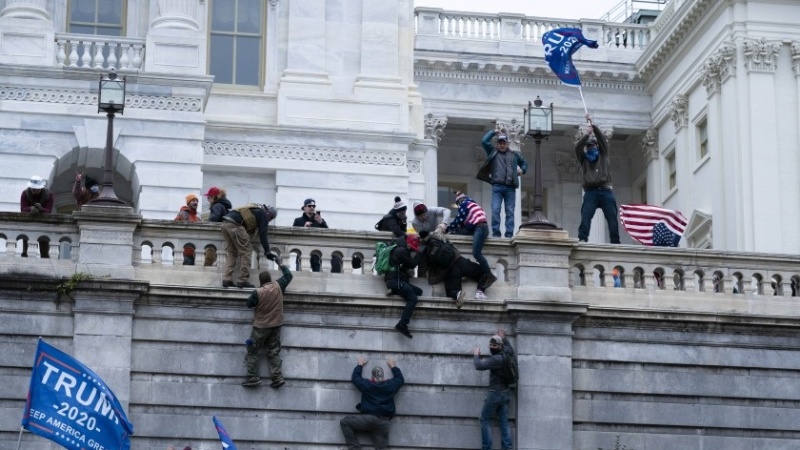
[271,256]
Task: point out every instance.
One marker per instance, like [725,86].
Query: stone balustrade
[99,52]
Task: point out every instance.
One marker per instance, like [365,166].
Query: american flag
[652,225]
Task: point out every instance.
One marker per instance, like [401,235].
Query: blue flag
[227,442]
[70,405]
[559,45]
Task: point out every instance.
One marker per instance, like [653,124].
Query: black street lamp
[538,124]
[111,99]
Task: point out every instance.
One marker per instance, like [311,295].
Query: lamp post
[538,125]
[111,99]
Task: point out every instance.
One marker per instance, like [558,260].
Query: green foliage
[618,446]
[69,285]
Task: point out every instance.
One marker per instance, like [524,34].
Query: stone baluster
[73,53]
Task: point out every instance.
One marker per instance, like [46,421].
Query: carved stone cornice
[720,66]
[76,97]
[679,111]
[568,168]
[515,132]
[650,145]
[434,127]
[298,153]
[795,47]
[761,55]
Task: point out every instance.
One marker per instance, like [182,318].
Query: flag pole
[19,440]
[585,110]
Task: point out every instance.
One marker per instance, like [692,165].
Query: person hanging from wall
[502,169]
[36,200]
[237,226]
[499,396]
[84,190]
[267,302]
[592,153]
[471,220]
[402,261]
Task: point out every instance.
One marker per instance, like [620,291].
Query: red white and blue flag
[559,45]
[71,406]
[653,225]
[224,437]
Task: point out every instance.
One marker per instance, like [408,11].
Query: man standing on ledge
[499,396]
[237,226]
[377,405]
[592,153]
[502,170]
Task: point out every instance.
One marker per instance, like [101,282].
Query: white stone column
[379,46]
[434,131]
[27,33]
[176,42]
[306,51]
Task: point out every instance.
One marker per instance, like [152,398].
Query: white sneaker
[479,295]
[460,299]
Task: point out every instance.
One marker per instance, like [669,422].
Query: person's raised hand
[391,362]
[477,351]
[361,361]
[502,333]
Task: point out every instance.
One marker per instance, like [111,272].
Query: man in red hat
[218,203]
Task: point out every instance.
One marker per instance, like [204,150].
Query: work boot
[403,329]
[227,283]
[277,382]
[244,284]
[252,382]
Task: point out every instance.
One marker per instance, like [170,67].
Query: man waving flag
[559,45]
[652,225]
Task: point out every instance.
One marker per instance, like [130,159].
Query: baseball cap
[502,137]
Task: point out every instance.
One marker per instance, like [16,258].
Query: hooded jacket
[595,174]
[218,210]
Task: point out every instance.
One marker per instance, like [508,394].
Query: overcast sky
[557,9]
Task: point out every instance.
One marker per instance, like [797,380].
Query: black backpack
[441,253]
[509,373]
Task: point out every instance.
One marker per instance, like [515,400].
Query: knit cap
[496,339]
[420,208]
[399,205]
[460,196]
[191,197]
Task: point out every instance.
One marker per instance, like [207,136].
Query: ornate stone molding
[414,166]
[568,169]
[650,144]
[795,47]
[679,111]
[434,127]
[68,97]
[761,55]
[720,66]
[290,152]
[515,132]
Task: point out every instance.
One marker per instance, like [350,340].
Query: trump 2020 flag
[227,442]
[652,225]
[70,405]
[559,45]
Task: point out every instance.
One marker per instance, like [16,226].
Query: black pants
[409,292]
[462,268]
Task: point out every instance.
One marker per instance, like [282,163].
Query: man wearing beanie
[376,406]
[395,220]
[188,213]
[237,226]
[499,395]
[429,219]
[471,220]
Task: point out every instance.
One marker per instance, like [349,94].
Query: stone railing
[471,28]
[99,52]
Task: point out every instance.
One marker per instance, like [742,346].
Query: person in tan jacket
[267,302]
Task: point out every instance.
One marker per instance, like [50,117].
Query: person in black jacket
[401,261]
[377,405]
[220,205]
[395,220]
[312,218]
[592,153]
[237,226]
[499,395]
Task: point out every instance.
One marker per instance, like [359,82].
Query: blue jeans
[603,199]
[409,292]
[478,239]
[508,194]
[496,403]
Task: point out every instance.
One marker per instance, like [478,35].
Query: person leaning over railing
[36,199]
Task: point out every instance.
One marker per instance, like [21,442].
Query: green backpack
[383,252]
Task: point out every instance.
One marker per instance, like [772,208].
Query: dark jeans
[269,339]
[409,292]
[508,195]
[603,199]
[496,403]
[462,268]
[376,427]
[478,239]
[316,263]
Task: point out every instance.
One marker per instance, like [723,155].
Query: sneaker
[252,382]
[277,383]
[403,329]
[227,283]
[509,236]
[488,280]
[497,235]
[246,284]
[479,295]
[460,299]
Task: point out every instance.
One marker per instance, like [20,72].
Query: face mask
[592,154]
[495,351]
[94,189]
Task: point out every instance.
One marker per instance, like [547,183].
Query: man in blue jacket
[502,169]
[377,405]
